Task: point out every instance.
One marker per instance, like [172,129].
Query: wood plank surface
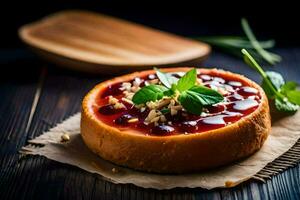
[97,41]
[35,177]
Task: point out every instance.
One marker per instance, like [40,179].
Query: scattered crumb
[114,170]
[229,184]
[65,137]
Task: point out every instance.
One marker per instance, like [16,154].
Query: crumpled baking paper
[285,133]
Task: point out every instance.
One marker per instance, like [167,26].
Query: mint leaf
[191,102]
[196,97]
[289,89]
[166,79]
[149,93]
[286,106]
[169,92]
[206,95]
[276,80]
[187,81]
[294,96]
[290,85]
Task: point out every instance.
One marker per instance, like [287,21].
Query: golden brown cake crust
[177,153]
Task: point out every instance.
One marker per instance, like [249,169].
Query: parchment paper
[284,135]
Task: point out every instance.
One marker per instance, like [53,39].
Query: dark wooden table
[61,91]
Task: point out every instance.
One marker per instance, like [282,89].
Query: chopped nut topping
[155,119]
[222,91]
[199,81]
[137,81]
[112,100]
[172,103]
[163,102]
[128,95]
[135,88]
[155,116]
[163,118]
[154,81]
[133,120]
[115,102]
[173,111]
[166,103]
[140,106]
[178,107]
[95,105]
[119,106]
[126,86]
[203,114]
[151,105]
[127,100]
[147,83]
[151,115]
[181,74]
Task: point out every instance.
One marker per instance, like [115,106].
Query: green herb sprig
[192,97]
[285,94]
[233,44]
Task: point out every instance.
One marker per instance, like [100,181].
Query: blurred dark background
[24,80]
[269,19]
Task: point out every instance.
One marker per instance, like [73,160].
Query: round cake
[222,118]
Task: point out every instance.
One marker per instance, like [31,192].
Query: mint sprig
[271,58]
[285,94]
[191,96]
[234,44]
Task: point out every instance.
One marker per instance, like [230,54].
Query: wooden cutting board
[94,42]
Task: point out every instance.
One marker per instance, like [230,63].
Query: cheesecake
[166,134]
